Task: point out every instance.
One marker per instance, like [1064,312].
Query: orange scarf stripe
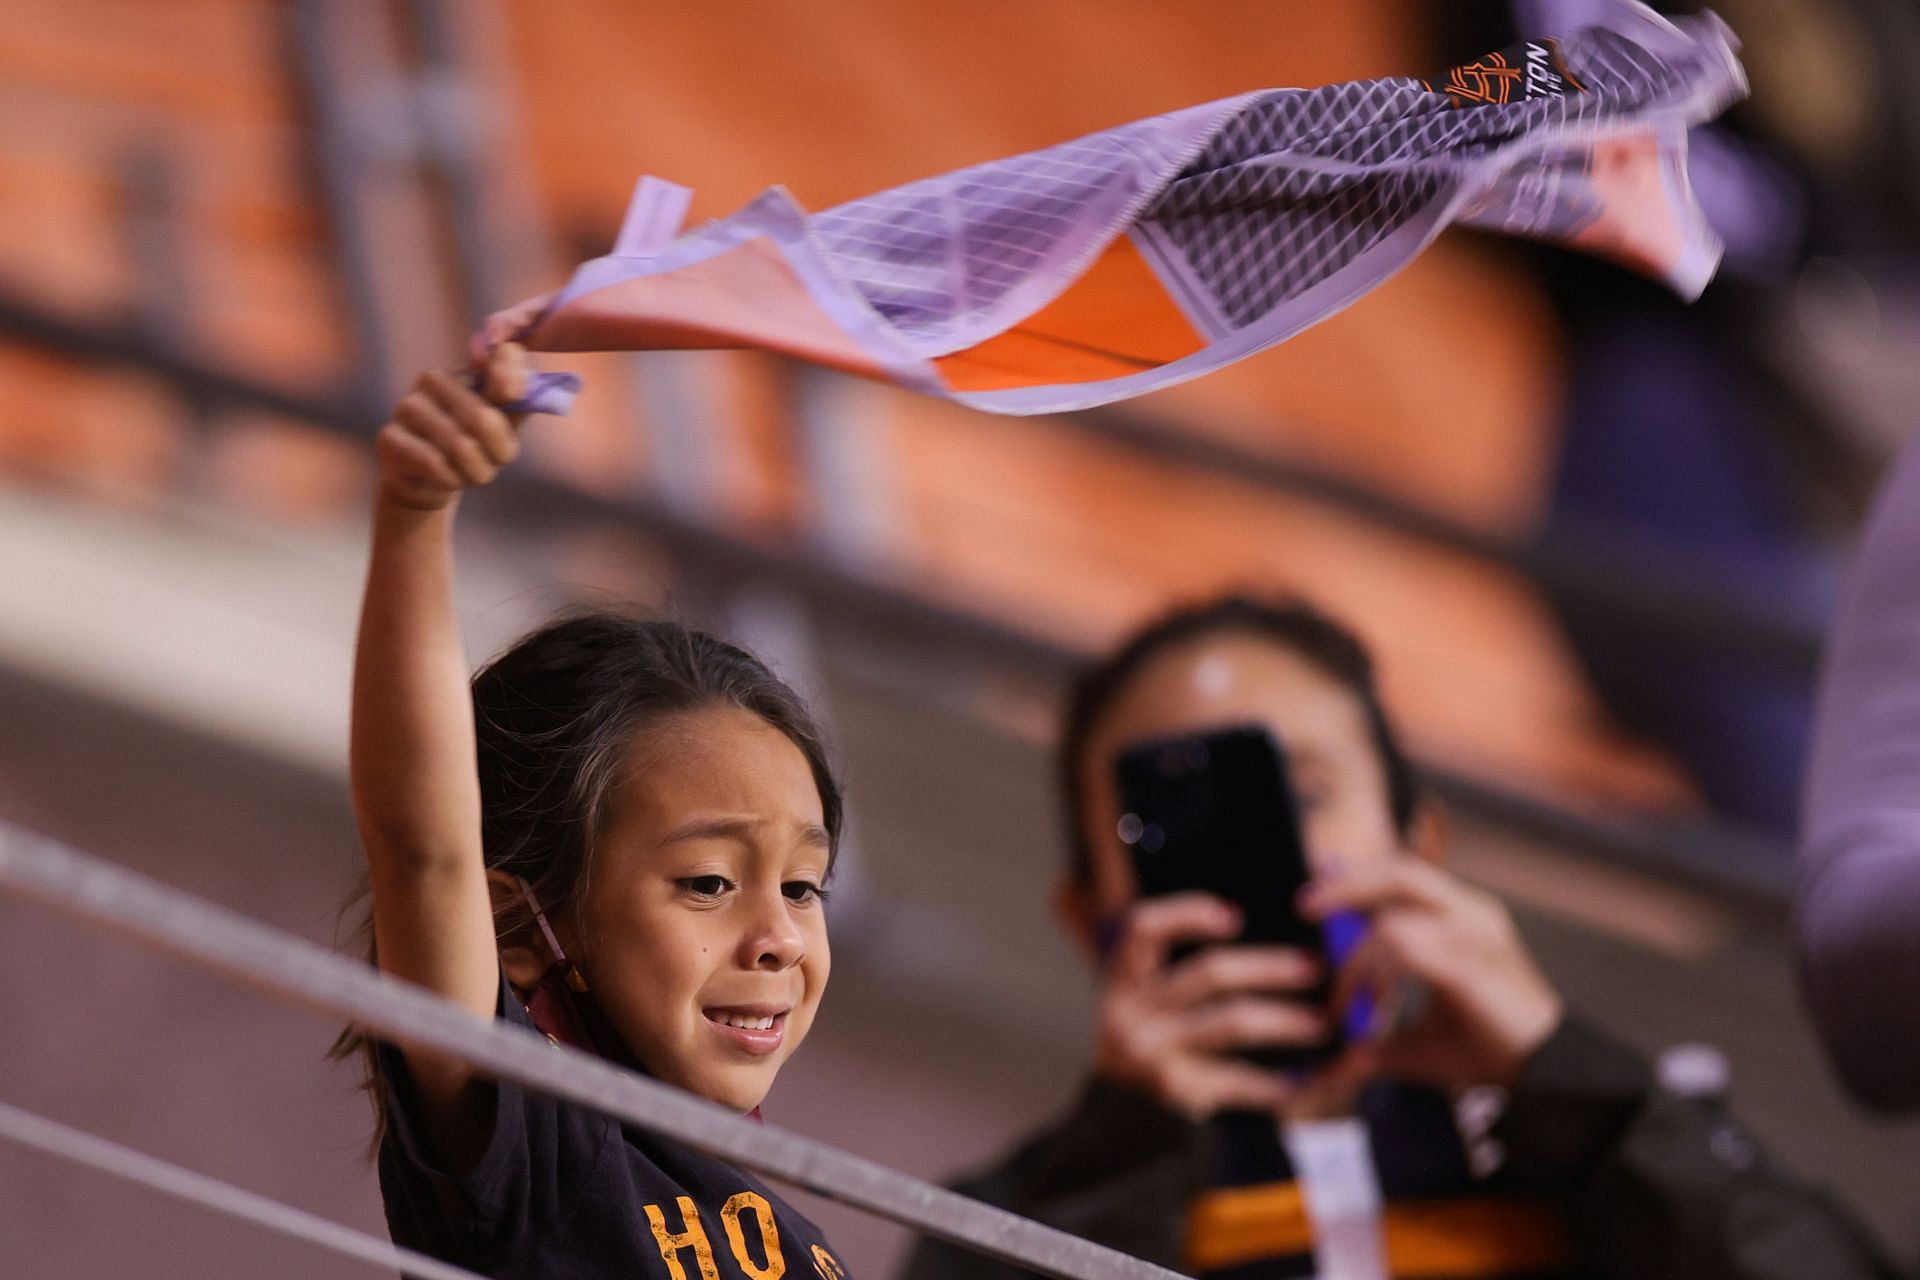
[1454,1239]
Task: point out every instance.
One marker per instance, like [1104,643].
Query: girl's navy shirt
[563,1192]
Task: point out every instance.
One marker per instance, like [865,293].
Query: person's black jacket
[1653,1186]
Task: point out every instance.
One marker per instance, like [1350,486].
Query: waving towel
[1144,255]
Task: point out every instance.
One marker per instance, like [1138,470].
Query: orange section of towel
[1116,319]
[748,296]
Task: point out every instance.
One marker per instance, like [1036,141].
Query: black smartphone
[1214,812]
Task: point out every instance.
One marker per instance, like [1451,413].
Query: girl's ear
[524,953]
[1432,831]
[1074,910]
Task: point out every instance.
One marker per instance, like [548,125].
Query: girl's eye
[803,891]
[705,886]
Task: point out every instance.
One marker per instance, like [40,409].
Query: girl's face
[704,933]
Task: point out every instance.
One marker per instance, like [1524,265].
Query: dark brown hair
[556,718]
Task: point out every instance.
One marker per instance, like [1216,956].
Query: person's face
[1218,681]
[703,933]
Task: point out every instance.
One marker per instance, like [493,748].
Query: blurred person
[1172,1151]
[619,835]
[1857,900]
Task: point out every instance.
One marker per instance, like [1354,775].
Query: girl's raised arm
[416,793]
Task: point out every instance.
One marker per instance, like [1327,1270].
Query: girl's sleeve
[518,1192]
[1857,897]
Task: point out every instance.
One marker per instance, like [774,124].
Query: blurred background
[1593,534]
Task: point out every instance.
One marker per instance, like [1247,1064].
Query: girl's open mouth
[754,1028]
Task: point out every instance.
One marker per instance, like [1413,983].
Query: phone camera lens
[1152,838]
[1130,828]
[1196,755]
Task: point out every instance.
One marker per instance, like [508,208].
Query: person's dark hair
[1290,624]
[555,721]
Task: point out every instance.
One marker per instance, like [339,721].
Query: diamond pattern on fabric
[1251,219]
[1302,182]
[1259,237]
[933,255]
[1288,192]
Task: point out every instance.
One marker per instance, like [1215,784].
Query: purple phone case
[1345,931]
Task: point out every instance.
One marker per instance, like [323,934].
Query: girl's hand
[444,436]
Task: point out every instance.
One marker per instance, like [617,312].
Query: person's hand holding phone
[1482,1006]
[1172,1028]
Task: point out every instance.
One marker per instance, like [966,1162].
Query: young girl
[619,835]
